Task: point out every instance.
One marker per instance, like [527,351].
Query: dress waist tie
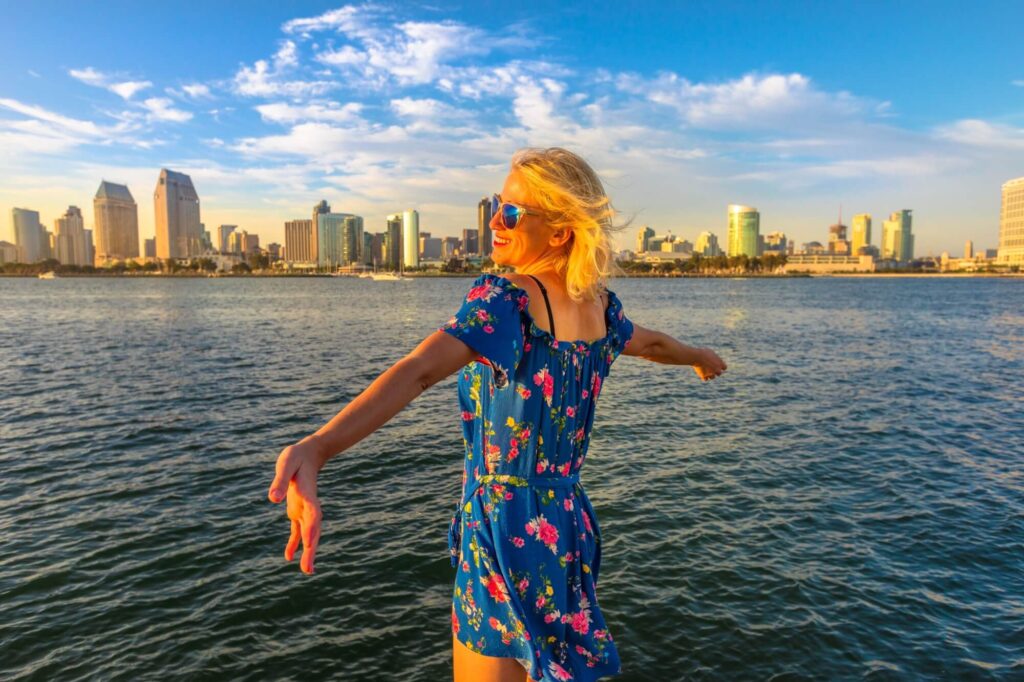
[455,529]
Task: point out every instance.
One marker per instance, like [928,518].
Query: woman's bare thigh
[473,667]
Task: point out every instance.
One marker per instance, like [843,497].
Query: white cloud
[282,112]
[196,90]
[162,109]
[123,89]
[344,19]
[266,79]
[978,133]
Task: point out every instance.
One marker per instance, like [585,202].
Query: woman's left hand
[709,365]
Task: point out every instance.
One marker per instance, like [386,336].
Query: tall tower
[323,208]
[116,217]
[484,239]
[411,238]
[393,241]
[69,238]
[744,230]
[1011,224]
[897,239]
[861,236]
[642,238]
[28,235]
[178,229]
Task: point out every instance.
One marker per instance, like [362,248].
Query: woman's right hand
[709,365]
[297,469]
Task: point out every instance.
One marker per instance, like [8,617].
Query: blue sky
[794,108]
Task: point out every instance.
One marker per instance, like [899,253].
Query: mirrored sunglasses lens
[495,204]
[509,216]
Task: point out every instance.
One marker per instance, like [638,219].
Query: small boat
[48,275]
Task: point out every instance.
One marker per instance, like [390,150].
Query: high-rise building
[430,247]
[837,242]
[707,245]
[484,239]
[8,252]
[299,241]
[969,250]
[322,208]
[179,232]
[69,238]
[339,236]
[1011,224]
[642,238]
[470,242]
[897,239]
[744,230]
[861,233]
[411,238]
[776,243]
[222,236]
[29,235]
[150,246]
[116,218]
[393,241]
[250,243]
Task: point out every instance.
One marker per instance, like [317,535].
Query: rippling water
[846,502]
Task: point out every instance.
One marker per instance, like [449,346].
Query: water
[846,502]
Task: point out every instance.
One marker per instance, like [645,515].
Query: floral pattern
[524,539]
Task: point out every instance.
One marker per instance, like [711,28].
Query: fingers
[293,541]
[285,469]
[310,536]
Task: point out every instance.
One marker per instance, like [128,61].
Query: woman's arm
[656,346]
[295,474]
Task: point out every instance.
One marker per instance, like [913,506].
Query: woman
[524,537]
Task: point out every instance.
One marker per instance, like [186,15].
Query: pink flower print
[523,392]
[496,587]
[541,601]
[549,617]
[568,504]
[526,345]
[569,556]
[581,622]
[544,379]
[570,411]
[581,650]
[484,291]
[523,584]
[518,541]
[565,468]
[544,532]
[455,621]
[467,416]
[586,522]
[488,329]
[585,394]
[525,433]
[597,385]
[558,672]
[494,623]
[541,466]
[482,315]
[508,496]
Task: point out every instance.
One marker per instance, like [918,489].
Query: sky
[799,109]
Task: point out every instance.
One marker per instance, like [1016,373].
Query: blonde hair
[572,196]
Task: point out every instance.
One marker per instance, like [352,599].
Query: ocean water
[846,502]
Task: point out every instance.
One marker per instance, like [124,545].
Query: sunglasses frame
[497,206]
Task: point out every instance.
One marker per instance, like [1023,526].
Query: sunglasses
[510,213]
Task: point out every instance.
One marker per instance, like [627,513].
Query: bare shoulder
[521,281]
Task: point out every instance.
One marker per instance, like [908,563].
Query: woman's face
[532,239]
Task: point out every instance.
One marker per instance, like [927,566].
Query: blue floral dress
[524,537]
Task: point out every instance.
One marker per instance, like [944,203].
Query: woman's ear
[561,237]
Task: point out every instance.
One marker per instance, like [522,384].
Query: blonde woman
[532,349]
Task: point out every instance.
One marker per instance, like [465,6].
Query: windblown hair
[568,190]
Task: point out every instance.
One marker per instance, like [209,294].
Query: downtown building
[116,222]
[1011,224]
[179,232]
[860,233]
[30,238]
[72,242]
[484,239]
[744,234]
[897,238]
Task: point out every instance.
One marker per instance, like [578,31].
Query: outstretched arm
[656,346]
[438,356]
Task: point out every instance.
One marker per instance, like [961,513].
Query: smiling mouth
[498,241]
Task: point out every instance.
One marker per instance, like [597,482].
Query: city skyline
[381,107]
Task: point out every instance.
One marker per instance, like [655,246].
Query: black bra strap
[551,318]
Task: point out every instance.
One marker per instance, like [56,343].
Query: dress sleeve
[622,327]
[490,322]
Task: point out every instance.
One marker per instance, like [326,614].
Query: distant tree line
[698,264]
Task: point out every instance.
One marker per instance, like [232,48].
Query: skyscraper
[1011,224]
[323,208]
[222,236]
[861,235]
[707,245]
[484,239]
[744,230]
[178,229]
[897,239]
[393,241]
[411,238]
[339,237]
[116,218]
[969,250]
[470,242]
[299,239]
[29,235]
[69,231]
[643,237]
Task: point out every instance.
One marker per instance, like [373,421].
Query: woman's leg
[473,667]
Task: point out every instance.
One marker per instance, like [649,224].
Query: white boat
[48,275]
[389,276]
